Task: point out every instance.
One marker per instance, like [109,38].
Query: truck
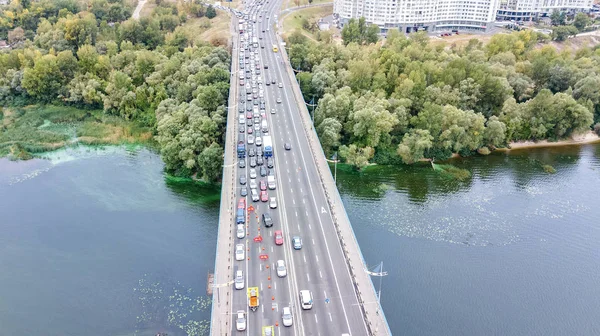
[241,149]
[253,298]
[271,182]
[268,146]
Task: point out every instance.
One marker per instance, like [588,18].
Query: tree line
[149,71]
[407,99]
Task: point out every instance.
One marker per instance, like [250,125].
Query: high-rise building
[415,15]
[527,10]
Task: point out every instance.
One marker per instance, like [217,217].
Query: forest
[95,67]
[405,99]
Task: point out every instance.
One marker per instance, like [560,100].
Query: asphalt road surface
[301,210]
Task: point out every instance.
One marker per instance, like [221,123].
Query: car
[268,83]
[273,81]
[257,120]
[240,321]
[263,171]
[271,172]
[270,163]
[273,203]
[258,141]
[263,184]
[297,242]
[243,191]
[259,160]
[262,46]
[280,267]
[262,105]
[278,100]
[239,279]
[242,128]
[252,162]
[250,130]
[251,152]
[241,108]
[267,220]
[287,146]
[250,139]
[286,317]
[272,111]
[264,196]
[263,114]
[256,127]
[242,203]
[239,252]
[241,231]
[252,173]
[278,234]
[242,179]
[259,152]
[254,195]
[242,163]
[280,85]
[266,66]
[252,183]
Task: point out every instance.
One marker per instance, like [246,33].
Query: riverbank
[34,129]
[581,139]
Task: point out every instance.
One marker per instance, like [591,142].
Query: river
[100,242]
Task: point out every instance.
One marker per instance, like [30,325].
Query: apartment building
[416,15]
[528,10]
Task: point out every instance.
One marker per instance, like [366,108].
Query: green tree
[558,18]
[414,144]
[44,80]
[210,12]
[329,134]
[495,132]
[561,33]
[581,21]
[357,156]
[211,161]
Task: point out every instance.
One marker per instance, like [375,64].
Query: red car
[264,196]
[250,130]
[249,115]
[278,237]
[263,185]
[242,203]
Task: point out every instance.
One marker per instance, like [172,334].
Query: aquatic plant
[549,169]
[451,171]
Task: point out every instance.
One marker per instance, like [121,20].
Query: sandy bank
[581,139]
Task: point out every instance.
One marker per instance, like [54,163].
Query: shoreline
[582,139]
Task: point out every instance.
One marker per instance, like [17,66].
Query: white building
[413,15]
[527,10]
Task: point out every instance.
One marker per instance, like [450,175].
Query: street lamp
[335,161]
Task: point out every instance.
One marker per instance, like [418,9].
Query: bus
[254,42]
[275,49]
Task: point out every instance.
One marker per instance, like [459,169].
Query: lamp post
[335,160]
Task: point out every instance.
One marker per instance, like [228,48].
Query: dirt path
[138,9]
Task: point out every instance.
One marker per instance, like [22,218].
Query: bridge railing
[365,290]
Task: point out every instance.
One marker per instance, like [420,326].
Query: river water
[100,242]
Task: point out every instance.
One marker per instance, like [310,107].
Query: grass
[37,129]
[293,20]
[295,3]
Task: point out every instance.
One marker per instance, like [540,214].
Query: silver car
[281,270]
[239,252]
[252,183]
[286,317]
[252,173]
[239,279]
[240,321]
[241,231]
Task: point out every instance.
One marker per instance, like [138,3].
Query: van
[306,299]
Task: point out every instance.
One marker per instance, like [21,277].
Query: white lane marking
[316,319]
[286,162]
[271,248]
[320,274]
[294,201]
[317,257]
[288,170]
[330,319]
[260,267]
[309,227]
[292,190]
[304,258]
[296,212]
[300,190]
[325,294]
[313,241]
[306,213]
[308,277]
[261,288]
[323,210]
[290,180]
[304,200]
[275,284]
[263,308]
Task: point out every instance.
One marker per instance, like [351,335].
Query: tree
[210,12]
[211,161]
[581,21]
[414,144]
[329,133]
[558,18]
[356,156]
[16,35]
[495,132]
[561,33]
[44,80]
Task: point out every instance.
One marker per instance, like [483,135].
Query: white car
[239,279]
[286,316]
[272,111]
[240,321]
[281,270]
[253,172]
[250,139]
[258,141]
[273,203]
[252,184]
[239,252]
[280,85]
[241,231]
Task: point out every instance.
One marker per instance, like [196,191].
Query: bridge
[329,264]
